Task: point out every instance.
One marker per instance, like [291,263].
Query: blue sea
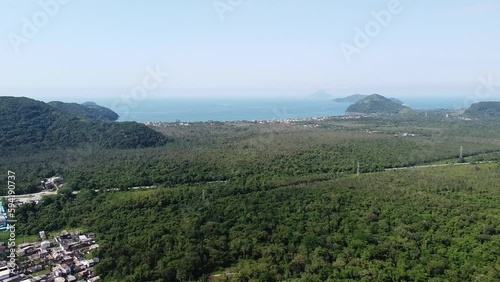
[236,109]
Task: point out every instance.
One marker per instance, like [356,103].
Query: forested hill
[377,104]
[30,123]
[358,97]
[88,110]
[484,110]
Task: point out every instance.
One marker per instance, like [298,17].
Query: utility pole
[461,154]
[358,171]
[203,195]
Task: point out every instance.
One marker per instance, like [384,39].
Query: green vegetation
[377,104]
[42,272]
[484,110]
[358,97]
[350,99]
[87,110]
[28,124]
[20,239]
[415,225]
[278,201]
[251,153]
[38,140]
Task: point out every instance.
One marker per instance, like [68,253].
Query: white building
[44,245]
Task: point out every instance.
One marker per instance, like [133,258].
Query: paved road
[38,196]
[437,165]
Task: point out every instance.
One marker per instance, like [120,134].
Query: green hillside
[87,110]
[358,97]
[484,110]
[27,123]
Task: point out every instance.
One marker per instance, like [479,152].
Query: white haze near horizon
[283,48]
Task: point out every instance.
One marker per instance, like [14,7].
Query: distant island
[483,110]
[377,104]
[358,97]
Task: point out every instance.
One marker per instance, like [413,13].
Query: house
[4,273]
[67,260]
[62,270]
[25,245]
[79,266]
[65,235]
[45,245]
[88,263]
[44,253]
[16,278]
[20,253]
[26,250]
[34,257]
[74,246]
[35,268]
[84,273]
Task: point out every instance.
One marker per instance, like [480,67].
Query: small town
[65,257]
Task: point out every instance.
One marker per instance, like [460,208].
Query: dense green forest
[29,126]
[378,104]
[87,110]
[357,97]
[267,201]
[246,152]
[484,110]
[435,224]
[252,152]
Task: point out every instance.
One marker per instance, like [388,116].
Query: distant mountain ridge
[32,123]
[358,97]
[87,110]
[377,104]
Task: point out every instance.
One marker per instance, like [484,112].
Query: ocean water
[250,109]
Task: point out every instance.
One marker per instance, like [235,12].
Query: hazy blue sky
[279,46]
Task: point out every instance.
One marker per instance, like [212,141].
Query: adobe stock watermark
[153,79]
[363,37]
[222,7]
[11,221]
[32,26]
[485,90]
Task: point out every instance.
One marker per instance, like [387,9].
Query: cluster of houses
[67,257]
